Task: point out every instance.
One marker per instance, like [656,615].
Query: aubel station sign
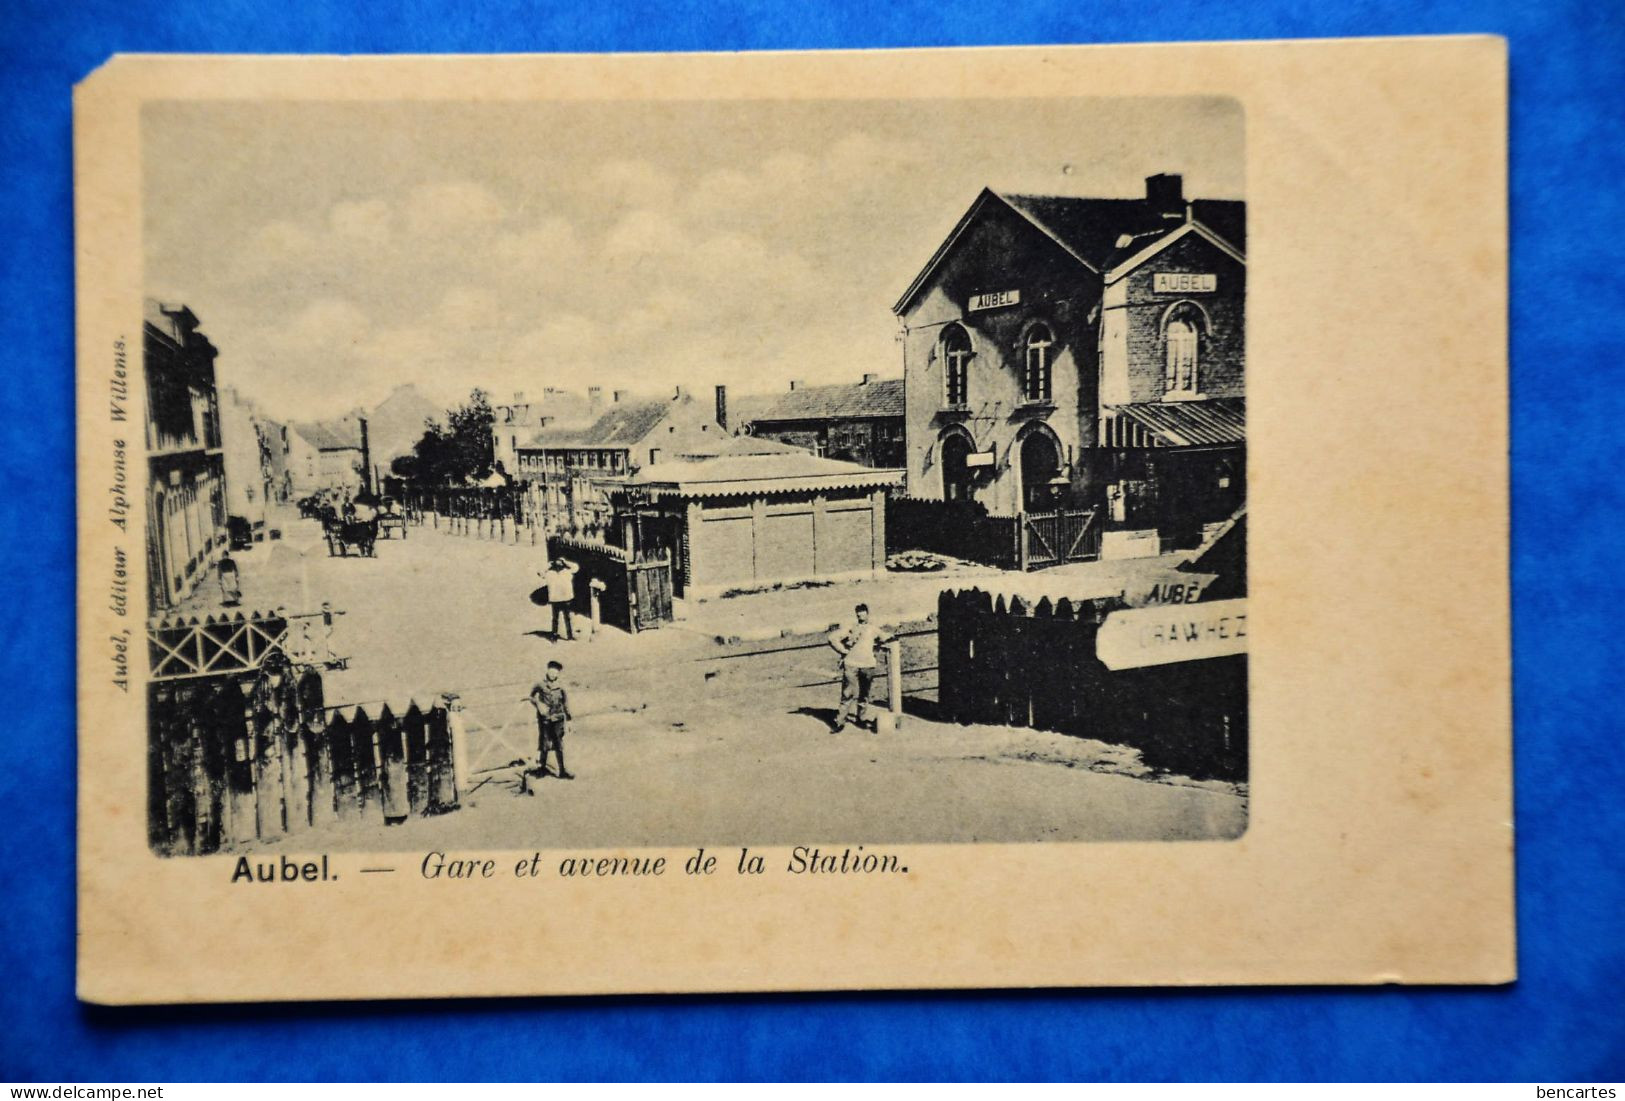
[994,300]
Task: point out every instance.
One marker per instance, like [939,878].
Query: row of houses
[576,455]
[186,479]
[217,461]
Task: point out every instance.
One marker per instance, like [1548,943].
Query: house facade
[1077,353]
[516,424]
[186,482]
[859,422]
[255,460]
[570,473]
[327,456]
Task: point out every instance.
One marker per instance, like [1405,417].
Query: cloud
[662,313]
[459,206]
[370,221]
[745,273]
[633,183]
[718,193]
[279,243]
[561,339]
[538,259]
[860,155]
[466,308]
[787,169]
[644,233]
[327,323]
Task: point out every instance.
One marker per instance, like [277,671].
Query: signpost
[994,299]
[1133,638]
[1184,282]
[1173,587]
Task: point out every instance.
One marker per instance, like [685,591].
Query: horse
[343,534]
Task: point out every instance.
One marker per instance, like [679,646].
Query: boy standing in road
[552,706]
[856,645]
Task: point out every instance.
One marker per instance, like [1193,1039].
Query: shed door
[847,543]
[784,544]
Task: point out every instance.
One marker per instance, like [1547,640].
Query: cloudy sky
[333,251]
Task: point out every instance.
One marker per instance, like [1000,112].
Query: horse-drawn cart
[391,519]
[342,534]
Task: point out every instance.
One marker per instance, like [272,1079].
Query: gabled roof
[330,437]
[744,408]
[1088,230]
[1144,246]
[624,424]
[881,398]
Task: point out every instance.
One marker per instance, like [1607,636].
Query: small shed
[756,513]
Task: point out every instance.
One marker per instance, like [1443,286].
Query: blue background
[1561,1021]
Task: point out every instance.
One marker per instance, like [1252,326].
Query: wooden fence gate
[651,587]
[634,591]
[1054,538]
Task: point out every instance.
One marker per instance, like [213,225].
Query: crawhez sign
[1133,638]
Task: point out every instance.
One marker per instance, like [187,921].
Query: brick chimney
[617,395]
[1165,194]
[796,384]
[722,408]
[868,377]
[595,394]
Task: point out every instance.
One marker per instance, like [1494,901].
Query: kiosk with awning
[1175,469]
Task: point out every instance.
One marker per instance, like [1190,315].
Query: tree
[454,452]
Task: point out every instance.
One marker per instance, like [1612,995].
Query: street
[713,729]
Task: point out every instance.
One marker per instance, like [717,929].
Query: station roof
[1098,233]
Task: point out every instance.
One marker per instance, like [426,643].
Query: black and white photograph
[611,474]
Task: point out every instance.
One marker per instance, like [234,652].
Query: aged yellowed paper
[1014,517]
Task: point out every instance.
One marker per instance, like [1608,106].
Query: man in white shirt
[856,645]
[561,593]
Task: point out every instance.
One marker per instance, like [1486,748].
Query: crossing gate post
[458,733]
[894,682]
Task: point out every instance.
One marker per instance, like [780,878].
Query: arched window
[956,354]
[1182,339]
[1036,379]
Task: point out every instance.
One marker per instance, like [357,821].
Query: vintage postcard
[859,520]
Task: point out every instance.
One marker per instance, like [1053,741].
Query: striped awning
[1212,423]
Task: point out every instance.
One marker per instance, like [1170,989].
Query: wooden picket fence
[1015,663]
[636,592]
[237,760]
